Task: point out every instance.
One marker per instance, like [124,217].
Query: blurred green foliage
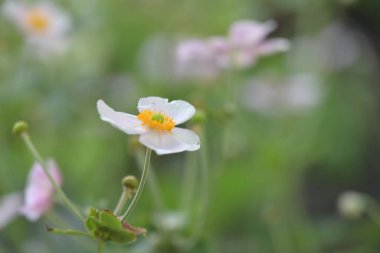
[277,190]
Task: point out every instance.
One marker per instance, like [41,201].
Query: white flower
[156,123]
[297,93]
[9,208]
[44,26]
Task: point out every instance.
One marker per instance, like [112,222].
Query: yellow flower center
[37,20]
[156,120]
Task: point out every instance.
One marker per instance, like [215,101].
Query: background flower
[39,192]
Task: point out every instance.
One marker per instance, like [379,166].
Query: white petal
[153,103]
[187,136]
[167,143]
[180,111]
[125,122]
[9,206]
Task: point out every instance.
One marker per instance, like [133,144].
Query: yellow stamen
[156,120]
[37,20]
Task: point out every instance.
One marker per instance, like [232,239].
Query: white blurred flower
[351,204]
[39,192]
[295,94]
[156,123]
[9,208]
[170,221]
[44,25]
[194,58]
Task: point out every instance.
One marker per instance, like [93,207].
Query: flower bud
[351,204]
[20,127]
[130,182]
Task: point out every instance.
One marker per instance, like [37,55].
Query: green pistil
[158,117]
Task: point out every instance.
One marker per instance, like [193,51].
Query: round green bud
[20,127]
[130,182]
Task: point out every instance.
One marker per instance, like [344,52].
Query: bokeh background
[274,187]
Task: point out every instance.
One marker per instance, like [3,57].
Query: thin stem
[122,201]
[100,246]
[152,183]
[199,224]
[58,189]
[141,185]
[189,181]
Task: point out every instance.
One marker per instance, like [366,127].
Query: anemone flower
[156,124]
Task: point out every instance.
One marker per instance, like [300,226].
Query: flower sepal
[106,226]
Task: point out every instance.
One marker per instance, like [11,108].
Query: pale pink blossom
[39,192]
[248,42]
[245,43]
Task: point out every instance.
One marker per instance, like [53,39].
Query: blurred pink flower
[43,24]
[245,43]
[39,192]
[247,39]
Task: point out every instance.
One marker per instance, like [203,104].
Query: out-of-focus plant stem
[204,181]
[122,201]
[141,185]
[100,247]
[189,182]
[152,183]
[41,161]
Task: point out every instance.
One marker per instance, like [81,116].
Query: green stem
[200,222]
[100,246]
[58,189]
[152,183]
[141,185]
[189,181]
[122,201]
